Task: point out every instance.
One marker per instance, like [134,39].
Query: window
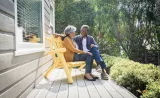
[29,26]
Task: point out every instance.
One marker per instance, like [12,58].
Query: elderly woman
[74,54]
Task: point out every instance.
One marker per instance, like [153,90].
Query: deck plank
[125,93]
[73,89]
[101,89]
[82,89]
[111,90]
[63,90]
[59,87]
[46,86]
[56,85]
[39,87]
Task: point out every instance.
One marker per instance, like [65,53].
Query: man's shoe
[104,76]
[107,70]
[98,69]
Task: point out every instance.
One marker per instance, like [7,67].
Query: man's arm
[93,42]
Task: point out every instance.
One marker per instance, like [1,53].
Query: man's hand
[92,45]
[89,53]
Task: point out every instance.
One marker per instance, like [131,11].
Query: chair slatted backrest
[55,43]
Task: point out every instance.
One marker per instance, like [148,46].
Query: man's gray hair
[69,29]
[85,26]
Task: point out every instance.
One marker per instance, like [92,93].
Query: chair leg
[50,70]
[70,70]
[80,68]
[70,80]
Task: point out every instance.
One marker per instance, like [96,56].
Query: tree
[121,27]
[74,13]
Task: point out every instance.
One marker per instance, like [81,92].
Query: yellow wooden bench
[34,39]
[57,51]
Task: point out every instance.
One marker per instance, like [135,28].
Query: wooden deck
[58,87]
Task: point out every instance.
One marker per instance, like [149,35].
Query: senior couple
[83,48]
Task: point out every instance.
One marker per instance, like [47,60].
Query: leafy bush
[133,75]
[152,90]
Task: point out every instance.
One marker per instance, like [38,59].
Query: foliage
[128,26]
[136,77]
[121,27]
[74,13]
[152,91]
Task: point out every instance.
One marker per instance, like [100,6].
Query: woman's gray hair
[69,29]
[85,26]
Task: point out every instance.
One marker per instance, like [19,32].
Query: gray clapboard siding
[7,6]
[46,14]
[6,42]
[8,60]
[46,7]
[42,69]
[52,3]
[44,60]
[47,35]
[10,77]
[14,91]
[47,21]
[5,60]
[46,42]
[38,80]
[46,28]
[16,79]
[47,50]
[25,94]
[47,2]
[6,23]
[17,60]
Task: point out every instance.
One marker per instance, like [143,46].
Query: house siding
[19,74]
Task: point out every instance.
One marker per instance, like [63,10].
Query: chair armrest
[57,50]
[47,38]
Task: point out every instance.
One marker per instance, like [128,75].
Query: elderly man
[87,43]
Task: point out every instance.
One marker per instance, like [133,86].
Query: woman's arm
[68,44]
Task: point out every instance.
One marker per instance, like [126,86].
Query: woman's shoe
[89,79]
[94,77]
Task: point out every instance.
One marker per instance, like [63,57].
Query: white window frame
[23,48]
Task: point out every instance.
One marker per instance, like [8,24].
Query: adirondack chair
[34,39]
[57,51]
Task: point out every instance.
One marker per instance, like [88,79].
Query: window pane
[29,14]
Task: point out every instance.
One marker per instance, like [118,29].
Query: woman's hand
[89,53]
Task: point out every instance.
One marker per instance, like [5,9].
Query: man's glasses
[85,30]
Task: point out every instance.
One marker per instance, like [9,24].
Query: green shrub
[133,75]
[152,90]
